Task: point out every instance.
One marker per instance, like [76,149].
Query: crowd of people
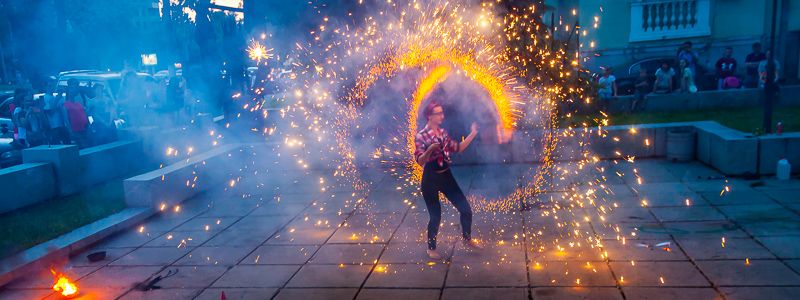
[74,116]
[686,74]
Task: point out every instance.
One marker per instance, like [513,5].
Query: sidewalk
[276,235]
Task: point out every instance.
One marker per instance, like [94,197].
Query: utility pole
[769,85]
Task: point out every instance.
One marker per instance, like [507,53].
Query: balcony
[653,20]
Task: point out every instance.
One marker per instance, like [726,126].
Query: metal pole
[769,85]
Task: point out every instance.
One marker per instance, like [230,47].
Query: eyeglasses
[437,113]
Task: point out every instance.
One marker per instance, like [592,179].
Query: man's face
[437,116]
[756,49]
[728,52]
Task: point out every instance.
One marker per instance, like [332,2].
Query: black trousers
[432,184]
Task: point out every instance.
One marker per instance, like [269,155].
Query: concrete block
[112,160]
[66,164]
[26,184]
[180,181]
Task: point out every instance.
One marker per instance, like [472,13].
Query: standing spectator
[175,96]
[100,110]
[607,88]
[663,84]
[18,117]
[726,67]
[642,88]
[751,63]
[762,68]
[687,78]
[57,118]
[78,121]
[38,125]
[686,52]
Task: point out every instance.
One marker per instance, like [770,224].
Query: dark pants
[432,184]
[59,135]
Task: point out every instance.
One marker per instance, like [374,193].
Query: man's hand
[434,147]
[474,128]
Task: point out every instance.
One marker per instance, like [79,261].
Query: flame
[64,285]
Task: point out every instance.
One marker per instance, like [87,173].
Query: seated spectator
[751,63]
[762,68]
[642,88]
[687,78]
[726,67]
[607,88]
[663,84]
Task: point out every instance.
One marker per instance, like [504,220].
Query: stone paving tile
[176,294]
[774,227]
[548,252]
[482,274]
[213,255]
[211,223]
[737,197]
[630,214]
[647,293]
[782,246]
[91,293]
[784,196]
[506,253]
[674,273]
[118,276]
[280,254]
[577,292]
[413,252]
[742,293]
[237,293]
[710,229]
[570,273]
[407,276]
[44,279]
[291,236]
[112,254]
[758,272]
[398,294]
[130,238]
[757,213]
[235,237]
[182,238]
[279,209]
[347,254]
[362,235]
[151,256]
[330,276]
[24,294]
[735,248]
[316,294]
[485,293]
[191,276]
[643,249]
[687,213]
[250,276]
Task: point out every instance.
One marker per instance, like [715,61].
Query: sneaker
[432,254]
[472,243]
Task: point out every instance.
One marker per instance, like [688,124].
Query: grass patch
[749,120]
[38,223]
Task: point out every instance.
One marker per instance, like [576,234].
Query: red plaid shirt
[428,136]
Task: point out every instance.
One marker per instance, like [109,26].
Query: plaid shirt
[428,136]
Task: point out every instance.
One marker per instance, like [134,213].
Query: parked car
[705,79]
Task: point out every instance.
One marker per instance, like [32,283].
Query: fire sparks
[258,52]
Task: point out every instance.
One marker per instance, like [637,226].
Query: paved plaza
[279,236]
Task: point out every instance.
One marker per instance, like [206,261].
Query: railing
[669,19]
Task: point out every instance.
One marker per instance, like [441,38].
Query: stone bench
[182,180]
[26,184]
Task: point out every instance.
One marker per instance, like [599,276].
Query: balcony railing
[669,19]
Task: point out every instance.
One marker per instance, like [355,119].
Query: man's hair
[428,111]
[757,44]
[729,48]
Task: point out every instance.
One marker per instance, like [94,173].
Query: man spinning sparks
[433,148]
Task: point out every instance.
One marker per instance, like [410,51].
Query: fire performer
[433,149]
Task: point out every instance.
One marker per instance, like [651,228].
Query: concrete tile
[397,294]
[687,213]
[330,276]
[629,214]
[44,279]
[782,246]
[546,251]
[674,273]
[206,224]
[316,294]
[291,236]
[112,254]
[117,276]
[570,273]
[506,253]
[280,254]
[151,256]
[176,294]
[249,276]
[784,196]
[577,292]
[670,293]
[407,276]
[130,238]
[643,250]
[213,255]
[485,293]
[413,252]
[491,274]
[758,213]
[235,237]
[735,248]
[181,239]
[347,254]
[191,276]
[237,293]
[709,229]
[758,272]
[740,293]
[737,197]
[25,294]
[773,227]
